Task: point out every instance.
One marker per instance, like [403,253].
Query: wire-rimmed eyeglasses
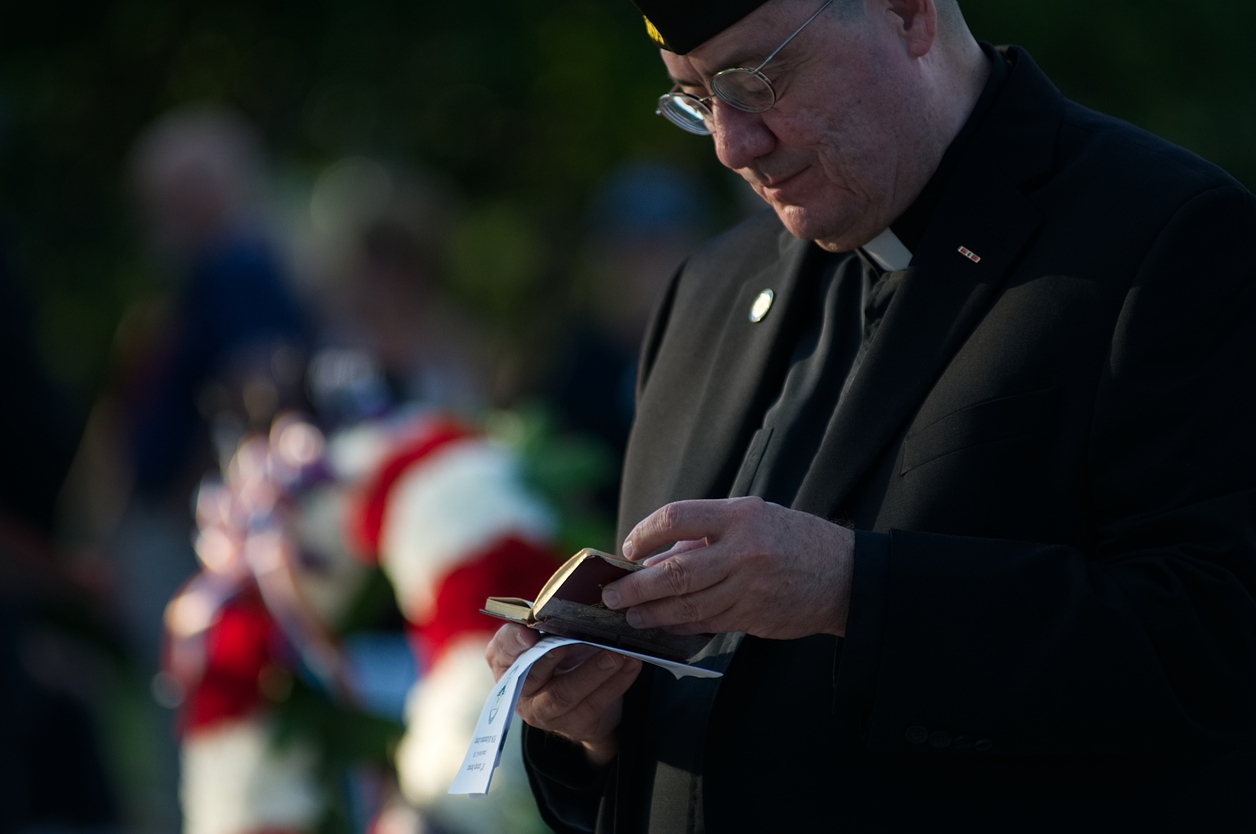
[746,89]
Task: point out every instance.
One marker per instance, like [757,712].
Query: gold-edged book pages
[570,605]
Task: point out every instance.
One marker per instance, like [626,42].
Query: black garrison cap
[680,25]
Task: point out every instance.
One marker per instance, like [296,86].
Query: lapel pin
[761,306]
[970,254]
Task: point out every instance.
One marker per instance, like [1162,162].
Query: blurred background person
[229,353]
[218,352]
[376,268]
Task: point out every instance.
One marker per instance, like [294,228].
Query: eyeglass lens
[686,112]
[744,89]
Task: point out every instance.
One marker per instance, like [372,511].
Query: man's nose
[740,137]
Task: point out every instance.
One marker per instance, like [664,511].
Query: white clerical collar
[887,252]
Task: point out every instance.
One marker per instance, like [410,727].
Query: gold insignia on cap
[761,306]
[653,32]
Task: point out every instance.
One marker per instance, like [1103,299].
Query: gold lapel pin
[761,306]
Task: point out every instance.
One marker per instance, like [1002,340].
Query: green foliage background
[524,105]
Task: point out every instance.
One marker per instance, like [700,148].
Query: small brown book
[570,605]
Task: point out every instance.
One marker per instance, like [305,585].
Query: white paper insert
[485,750]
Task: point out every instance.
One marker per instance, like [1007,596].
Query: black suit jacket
[1049,453]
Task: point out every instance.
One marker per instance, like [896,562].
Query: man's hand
[576,691]
[739,564]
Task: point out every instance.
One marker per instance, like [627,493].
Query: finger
[686,573]
[602,708]
[543,670]
[695,613]
[508,643]
[676,550]
[574,656]
[570,704]
[678,521]
[603,698]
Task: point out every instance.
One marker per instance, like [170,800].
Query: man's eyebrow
[687,82]
[736,61]
[742,59]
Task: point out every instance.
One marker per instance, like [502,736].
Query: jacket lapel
[981,224]
[735,392]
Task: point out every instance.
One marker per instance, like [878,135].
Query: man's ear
[916,22]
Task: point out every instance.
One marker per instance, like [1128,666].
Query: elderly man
[954,451]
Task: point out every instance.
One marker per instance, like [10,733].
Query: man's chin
[830,233]
[804,225]
[794,219]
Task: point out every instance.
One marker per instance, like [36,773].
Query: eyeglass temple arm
[791,37]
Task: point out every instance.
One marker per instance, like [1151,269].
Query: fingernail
[634,619]
[610,597]
[608,661]
[521,641]
[627,548]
